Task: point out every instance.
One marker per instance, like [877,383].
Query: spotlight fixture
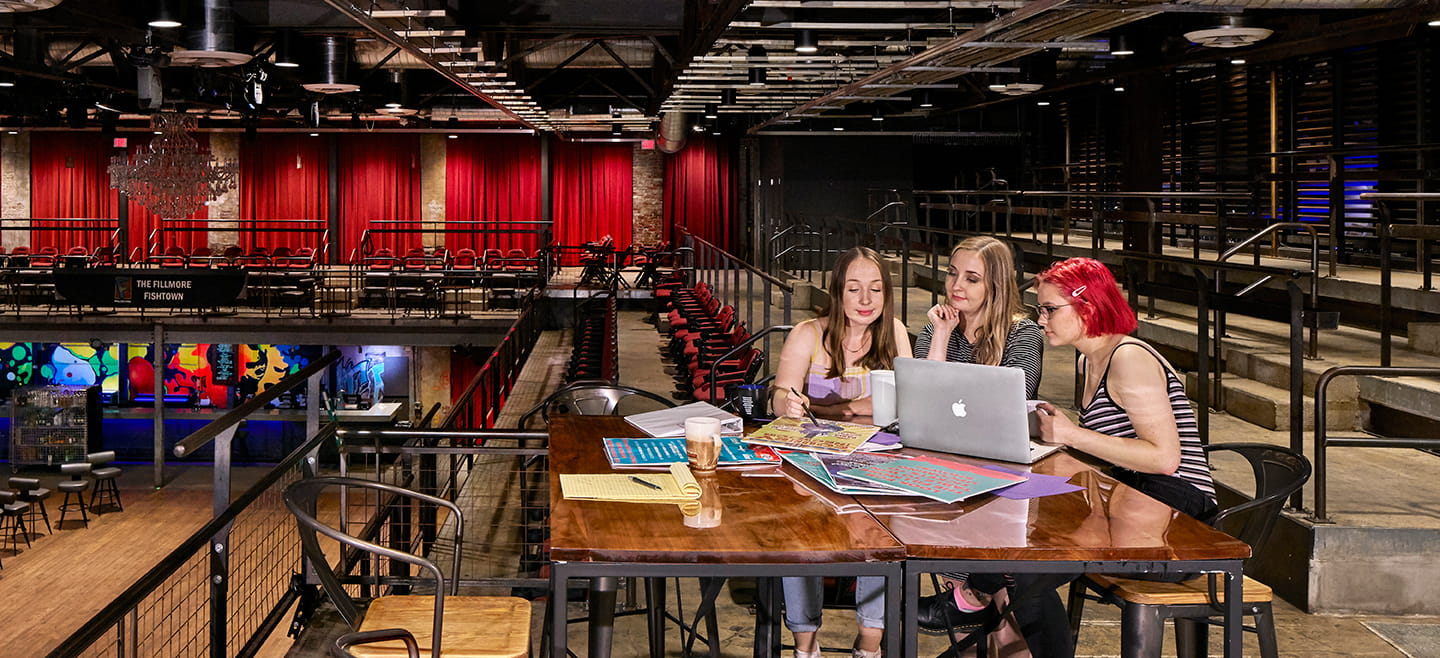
[1434,23]
[165,15]
[1234,32]
[925,100]
[314,134]
[284,53]
[805,41]
[712,111]
[875,114]
[699,128]
[757,76]
[756,54]
[452,136]
[1238,61]
[1042,103]
[616,129]
[839,128]
[727,96]
[1118,86]
[1120,46]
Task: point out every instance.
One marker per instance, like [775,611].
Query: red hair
[1094,294]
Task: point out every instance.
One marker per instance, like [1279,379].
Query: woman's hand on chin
[943,318]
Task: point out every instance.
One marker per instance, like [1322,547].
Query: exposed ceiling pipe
[212,44]
[329,78]
[673,131]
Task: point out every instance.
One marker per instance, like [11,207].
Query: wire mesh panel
[264,554]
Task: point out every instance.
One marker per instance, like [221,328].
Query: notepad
[679,485]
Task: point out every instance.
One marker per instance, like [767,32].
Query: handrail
[466,396]
[111,614]
[742,346]
[1322,442]
[743,265]
[1314,258]
[884,208]
[199,438]
[1159,194]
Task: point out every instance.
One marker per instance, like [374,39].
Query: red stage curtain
[379,180]
[69,179]
[141,222]
[591,192]
[492,178]
[697,190]
[283,177]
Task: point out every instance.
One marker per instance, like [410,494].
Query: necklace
[865,342]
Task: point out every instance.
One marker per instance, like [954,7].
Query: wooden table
[768,528]
[1106,528]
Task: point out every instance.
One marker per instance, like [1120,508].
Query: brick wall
[648,227]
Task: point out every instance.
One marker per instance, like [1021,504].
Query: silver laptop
[965,409]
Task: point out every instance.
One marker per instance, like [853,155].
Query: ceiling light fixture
[165,15]
[727,96]
[1238,61]
[1434,23]
[925,100]
[756,54]
[7,80]
[1234,32]
[1042,103]
[284,56]
[805,42]
[757,76]
[1120,46]
[875,114]
[712,111]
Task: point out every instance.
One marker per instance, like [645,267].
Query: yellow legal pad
[678,485]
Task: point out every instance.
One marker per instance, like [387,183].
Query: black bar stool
[12,516]
[105,476]
[31,492]
[75,486]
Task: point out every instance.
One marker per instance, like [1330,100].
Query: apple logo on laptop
[958,408]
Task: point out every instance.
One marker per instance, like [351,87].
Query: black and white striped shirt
[1106,417]
[1024,349]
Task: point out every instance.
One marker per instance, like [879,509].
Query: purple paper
[884,439]
[1035,487]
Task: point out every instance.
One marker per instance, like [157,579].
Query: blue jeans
[803,596]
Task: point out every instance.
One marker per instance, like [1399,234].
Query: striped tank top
[1106,417]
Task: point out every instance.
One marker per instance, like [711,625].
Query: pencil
[813,420]
[647,483]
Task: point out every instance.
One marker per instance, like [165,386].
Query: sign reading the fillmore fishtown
[136,287]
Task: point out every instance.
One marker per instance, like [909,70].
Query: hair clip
[1076,292]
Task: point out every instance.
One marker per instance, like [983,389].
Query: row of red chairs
[464,259]
[702,331]
[257,257]
[51,256]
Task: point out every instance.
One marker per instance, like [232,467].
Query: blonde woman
[981,321]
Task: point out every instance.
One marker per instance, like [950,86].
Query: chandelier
[172,176]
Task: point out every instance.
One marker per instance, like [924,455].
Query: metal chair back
[300,498]
[596,398]
[1279,472]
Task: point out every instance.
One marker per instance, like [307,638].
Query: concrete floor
[1299,634]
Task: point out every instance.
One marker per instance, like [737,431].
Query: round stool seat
[16,508]
[105,473]
[71,486]
[32,495]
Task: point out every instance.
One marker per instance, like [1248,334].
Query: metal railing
[733,281]
[480,402]
[1323,441]
[1389,231]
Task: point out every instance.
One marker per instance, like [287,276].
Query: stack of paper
[677,486]
[632,453]
[671,422]
[833,437]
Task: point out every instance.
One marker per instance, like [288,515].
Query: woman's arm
[1025,349]
[790,374]
[1137,384]
[934,340]
[902,340]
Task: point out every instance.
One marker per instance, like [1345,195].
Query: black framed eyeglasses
[1046,310]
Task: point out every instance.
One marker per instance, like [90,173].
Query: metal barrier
[1323,440]
[483,397]
[1423,235]
[724,271]
[187,606]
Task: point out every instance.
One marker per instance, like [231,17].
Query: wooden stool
[75,486]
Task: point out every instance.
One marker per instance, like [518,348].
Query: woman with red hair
[1134,412]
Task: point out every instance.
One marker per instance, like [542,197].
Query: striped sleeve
[1025,349]
[922,342]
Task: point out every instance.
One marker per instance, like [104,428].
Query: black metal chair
[106,491]
[480,626]
[341,648]
[593,397]
[1195,604]
[30,491]
[75,486]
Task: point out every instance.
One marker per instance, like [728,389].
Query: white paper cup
[882,397]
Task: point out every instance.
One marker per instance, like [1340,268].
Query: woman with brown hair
[826,364]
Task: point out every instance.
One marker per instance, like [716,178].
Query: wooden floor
[51,589]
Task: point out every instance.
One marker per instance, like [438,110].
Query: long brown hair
[882,352]
[1002,297]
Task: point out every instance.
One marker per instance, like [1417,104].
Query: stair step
[1269,406]
[1424,337]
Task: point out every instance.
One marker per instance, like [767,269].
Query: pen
[647,483]
[806,407]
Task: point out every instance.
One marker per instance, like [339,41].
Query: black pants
[1037,607]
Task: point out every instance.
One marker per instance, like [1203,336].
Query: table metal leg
[559,614]
[602,615]
[1234,602]
[894,588]
[911,592]
[655,615]
[767,610]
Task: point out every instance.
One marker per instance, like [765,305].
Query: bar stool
[12,516]
[31,492]
[75,486]
[105,477]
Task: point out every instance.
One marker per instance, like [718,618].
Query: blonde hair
[1002,297]
[883,350]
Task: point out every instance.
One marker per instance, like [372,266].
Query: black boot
[938,614]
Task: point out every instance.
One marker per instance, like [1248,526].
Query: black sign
[149,287]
